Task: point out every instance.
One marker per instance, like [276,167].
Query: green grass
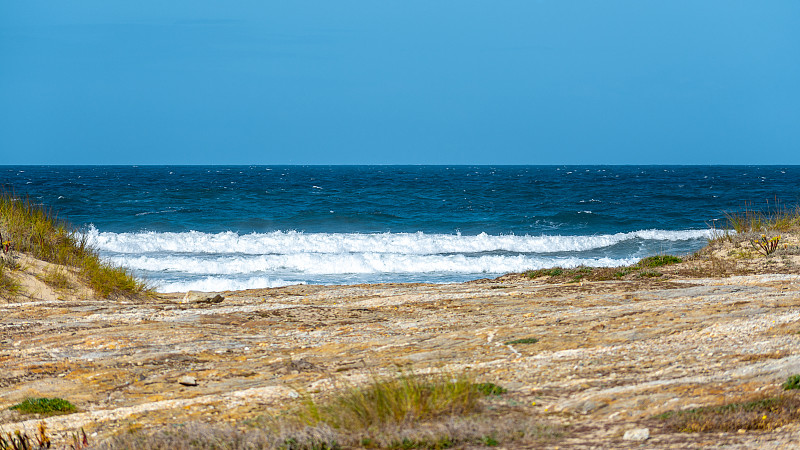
[775,217]
[406,398]
[554,272]
[45,406]
[528,340]
[490,389]
[9,287]
[649,274]
[37,231]
[57,278]
[659,260]
[765,413]
[791,383]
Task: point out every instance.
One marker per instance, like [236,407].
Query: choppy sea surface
[216,228]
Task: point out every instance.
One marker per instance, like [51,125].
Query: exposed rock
[187,380]
[638,434]
[610,355]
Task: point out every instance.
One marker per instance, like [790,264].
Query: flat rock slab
[603,357]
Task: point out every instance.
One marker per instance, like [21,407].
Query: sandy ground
[610,354]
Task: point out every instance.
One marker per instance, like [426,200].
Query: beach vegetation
[766,245]
[9,286]
[659,260]
[554,272]
[649,274]
[37,231]
[527,340]
[405,411]
[793,382]
[490,389]
[764,413]
[19,440]
[44,406]
[57,278]
[408,397]
[775,217]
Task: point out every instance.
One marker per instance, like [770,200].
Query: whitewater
[217,228]
[177,262]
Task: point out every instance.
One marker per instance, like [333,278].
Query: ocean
[215,228]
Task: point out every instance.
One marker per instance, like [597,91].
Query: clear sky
[400,82]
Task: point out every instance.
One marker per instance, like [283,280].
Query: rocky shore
[598,358]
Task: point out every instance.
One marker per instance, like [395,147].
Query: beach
[595,359]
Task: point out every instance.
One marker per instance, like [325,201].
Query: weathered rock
[187,380]
[638,434]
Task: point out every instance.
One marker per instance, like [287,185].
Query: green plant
[57,278]
[793,382]
[406,398]
[490,389]
[775,217]
[528,340]
[766,413]
[765,245]
[489,441]
[44,406]
[9,287]
[659,260]
[37,231]
[554,272]
[623,271]
[649,274]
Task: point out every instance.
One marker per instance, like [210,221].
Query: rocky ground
[609,355]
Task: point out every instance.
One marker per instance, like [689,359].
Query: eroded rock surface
[608,357]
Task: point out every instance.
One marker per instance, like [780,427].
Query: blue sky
[400,82]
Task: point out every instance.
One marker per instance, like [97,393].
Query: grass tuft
[490,389]
[9,287]
[57,278]
[765,413]
[659,260]
[528,340]
[406,398]
[45,406]
[37,231]
[791,383]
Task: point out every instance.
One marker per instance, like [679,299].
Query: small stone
[187,381]
[638,434]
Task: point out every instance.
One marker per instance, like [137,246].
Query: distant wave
[293,242]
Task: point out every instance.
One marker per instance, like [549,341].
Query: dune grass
[38,232]
[775,217]
[402,399]
[9,287]
[407,411]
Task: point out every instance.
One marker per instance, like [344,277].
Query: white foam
[353,263]
[214,284]
[293,242]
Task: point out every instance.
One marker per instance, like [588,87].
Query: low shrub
[659,260]
[793,382]
[765,413]
[528,340]
[45,406]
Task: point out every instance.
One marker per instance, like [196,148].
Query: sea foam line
[294,242]
[353,263]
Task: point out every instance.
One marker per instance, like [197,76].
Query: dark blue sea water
[216,228]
